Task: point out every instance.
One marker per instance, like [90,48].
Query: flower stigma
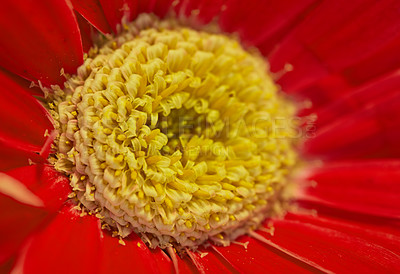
[178,135]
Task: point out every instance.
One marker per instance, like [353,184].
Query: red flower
[343,57]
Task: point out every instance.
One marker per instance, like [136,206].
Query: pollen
[178,135]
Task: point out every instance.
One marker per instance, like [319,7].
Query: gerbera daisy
[152,136]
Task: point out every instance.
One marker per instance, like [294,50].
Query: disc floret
[172,133]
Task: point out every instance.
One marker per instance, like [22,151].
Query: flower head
[168,132]
[165,132]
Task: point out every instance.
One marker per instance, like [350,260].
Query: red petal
[23,120]
[264,23]
[48,184]
[69,244]
[371,132]
[7,266]
[118,9]
[331,250]
[282,22]
[41,38]
[76,244]
[376,233]
[350,100]
[325,91]
[91,10]
[26,85]
[181,265]
[203,10]
[18,220]
[209,261]
[367,187]
[256,258]
[12,157]
[336,36]
[87,32]
[161,7]
[384,61]
[134,255]
[146,6]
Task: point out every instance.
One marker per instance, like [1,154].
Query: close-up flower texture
[199,136]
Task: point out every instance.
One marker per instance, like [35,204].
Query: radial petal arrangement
[137,135]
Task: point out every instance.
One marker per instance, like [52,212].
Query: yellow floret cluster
[174,134]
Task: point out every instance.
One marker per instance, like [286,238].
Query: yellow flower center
[178,135]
